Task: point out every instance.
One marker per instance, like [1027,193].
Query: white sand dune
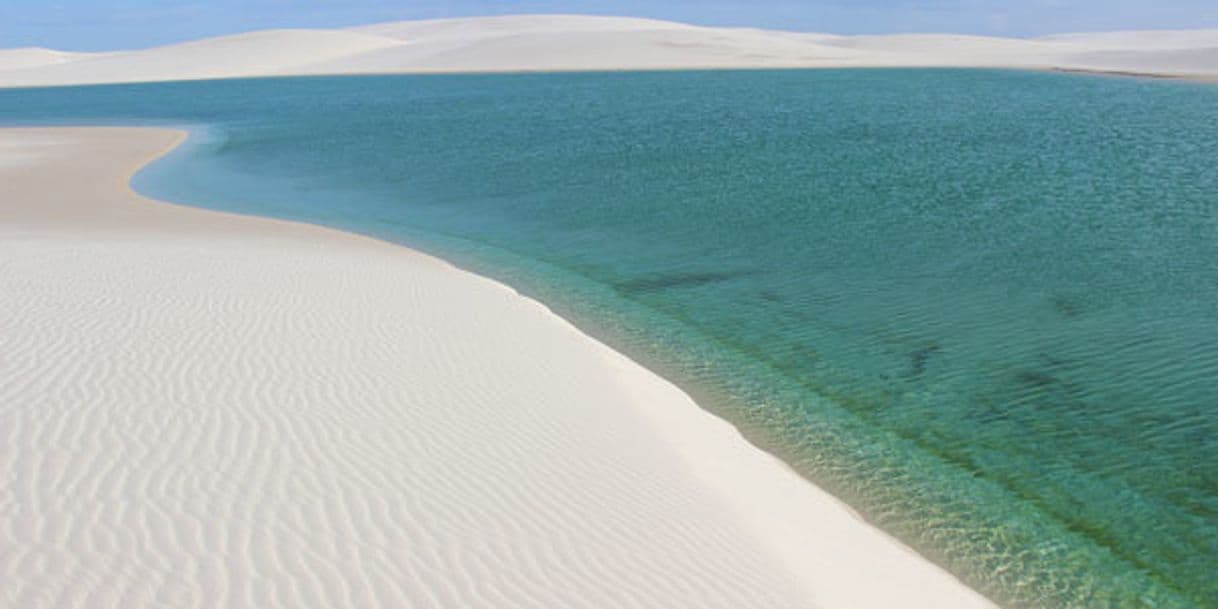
[1140,40]
[593,50]
[955,50]
[205,410]
[1165,62]
[265,53]
[466,28]
[32,57]
[574,42]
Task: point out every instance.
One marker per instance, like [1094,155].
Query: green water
[981,307]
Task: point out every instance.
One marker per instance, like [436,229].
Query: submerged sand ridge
[576,42]
[205,410]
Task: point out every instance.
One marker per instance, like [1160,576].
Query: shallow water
[980,306]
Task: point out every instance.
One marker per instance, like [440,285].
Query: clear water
[982,307]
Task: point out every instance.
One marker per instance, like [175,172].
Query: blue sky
[121,24]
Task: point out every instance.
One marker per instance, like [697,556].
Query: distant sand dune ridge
[574,42]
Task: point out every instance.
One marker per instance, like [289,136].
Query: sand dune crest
[573,42]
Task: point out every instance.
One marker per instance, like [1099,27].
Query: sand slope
[30,57]
[266,53]
[1143,40]
[203,410]
[573,42]
[467,28]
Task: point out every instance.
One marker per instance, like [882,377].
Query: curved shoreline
[593,447]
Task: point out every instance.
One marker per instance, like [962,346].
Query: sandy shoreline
[560,43]
[203,409]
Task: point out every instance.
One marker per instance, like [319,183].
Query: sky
[93,25]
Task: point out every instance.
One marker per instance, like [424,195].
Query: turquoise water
[981,307]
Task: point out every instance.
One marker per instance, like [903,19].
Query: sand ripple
[208,424]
